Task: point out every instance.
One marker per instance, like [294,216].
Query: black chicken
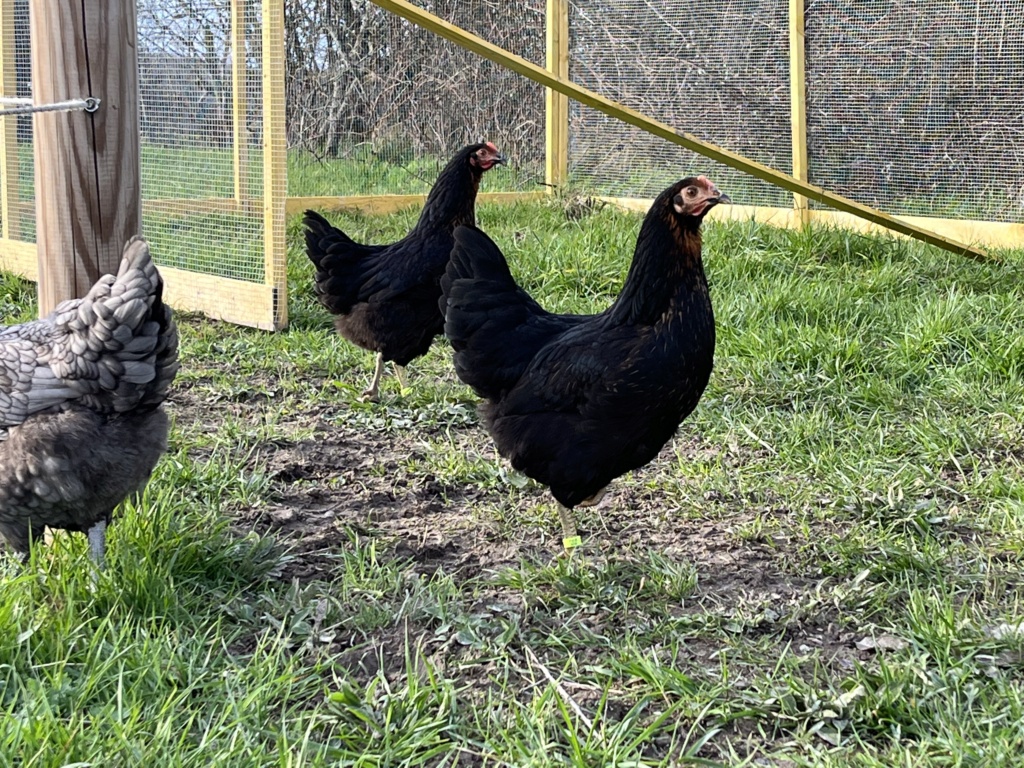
[386,296]
[574,401]
[81,424]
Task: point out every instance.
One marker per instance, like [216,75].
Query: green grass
[853,474]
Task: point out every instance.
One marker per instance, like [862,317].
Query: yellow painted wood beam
[798,101]
[239,102]
[221,298]
[19,258]
[991,234]
[585,96]
[381,204]
[556,105]
[275,170]
[184,206]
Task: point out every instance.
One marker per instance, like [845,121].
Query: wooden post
[86,165]
[556,112]
[798,104]
[9,185]
[239,103]
[275,171]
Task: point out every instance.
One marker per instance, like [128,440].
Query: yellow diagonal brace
[518,64]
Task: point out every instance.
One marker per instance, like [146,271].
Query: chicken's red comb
[490,146]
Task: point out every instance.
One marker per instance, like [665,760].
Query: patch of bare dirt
[336,483]
[346,481]
[343,482]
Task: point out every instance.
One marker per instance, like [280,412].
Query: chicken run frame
[251,110]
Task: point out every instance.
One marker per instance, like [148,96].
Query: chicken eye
[691,191]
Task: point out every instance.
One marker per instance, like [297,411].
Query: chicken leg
[400,375]
[98,544]
[570,537]
[369,394]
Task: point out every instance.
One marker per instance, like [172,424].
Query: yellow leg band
[571,542]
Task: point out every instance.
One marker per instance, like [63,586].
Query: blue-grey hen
[81,423]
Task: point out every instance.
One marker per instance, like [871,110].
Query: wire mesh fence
[377,105]
[203,152]
[201,160]
[17,216]
[915,106]
[719,71]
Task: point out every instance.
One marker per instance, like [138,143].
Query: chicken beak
[501,159]
[715,199]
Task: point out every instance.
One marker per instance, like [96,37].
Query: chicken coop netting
[915,107]
[202,174]
[376,105]
[912,107]
[719,71]
[19,214]
[201,161]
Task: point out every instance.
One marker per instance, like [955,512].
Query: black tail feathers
[322,238]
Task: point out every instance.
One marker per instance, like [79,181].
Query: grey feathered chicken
[81,423]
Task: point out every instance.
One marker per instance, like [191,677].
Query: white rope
[89,104]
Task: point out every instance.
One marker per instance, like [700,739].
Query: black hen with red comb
[574,401]
[386,296]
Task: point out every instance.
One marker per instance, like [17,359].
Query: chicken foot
[369,394]
[372,393]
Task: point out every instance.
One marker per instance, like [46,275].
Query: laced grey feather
[112,351]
